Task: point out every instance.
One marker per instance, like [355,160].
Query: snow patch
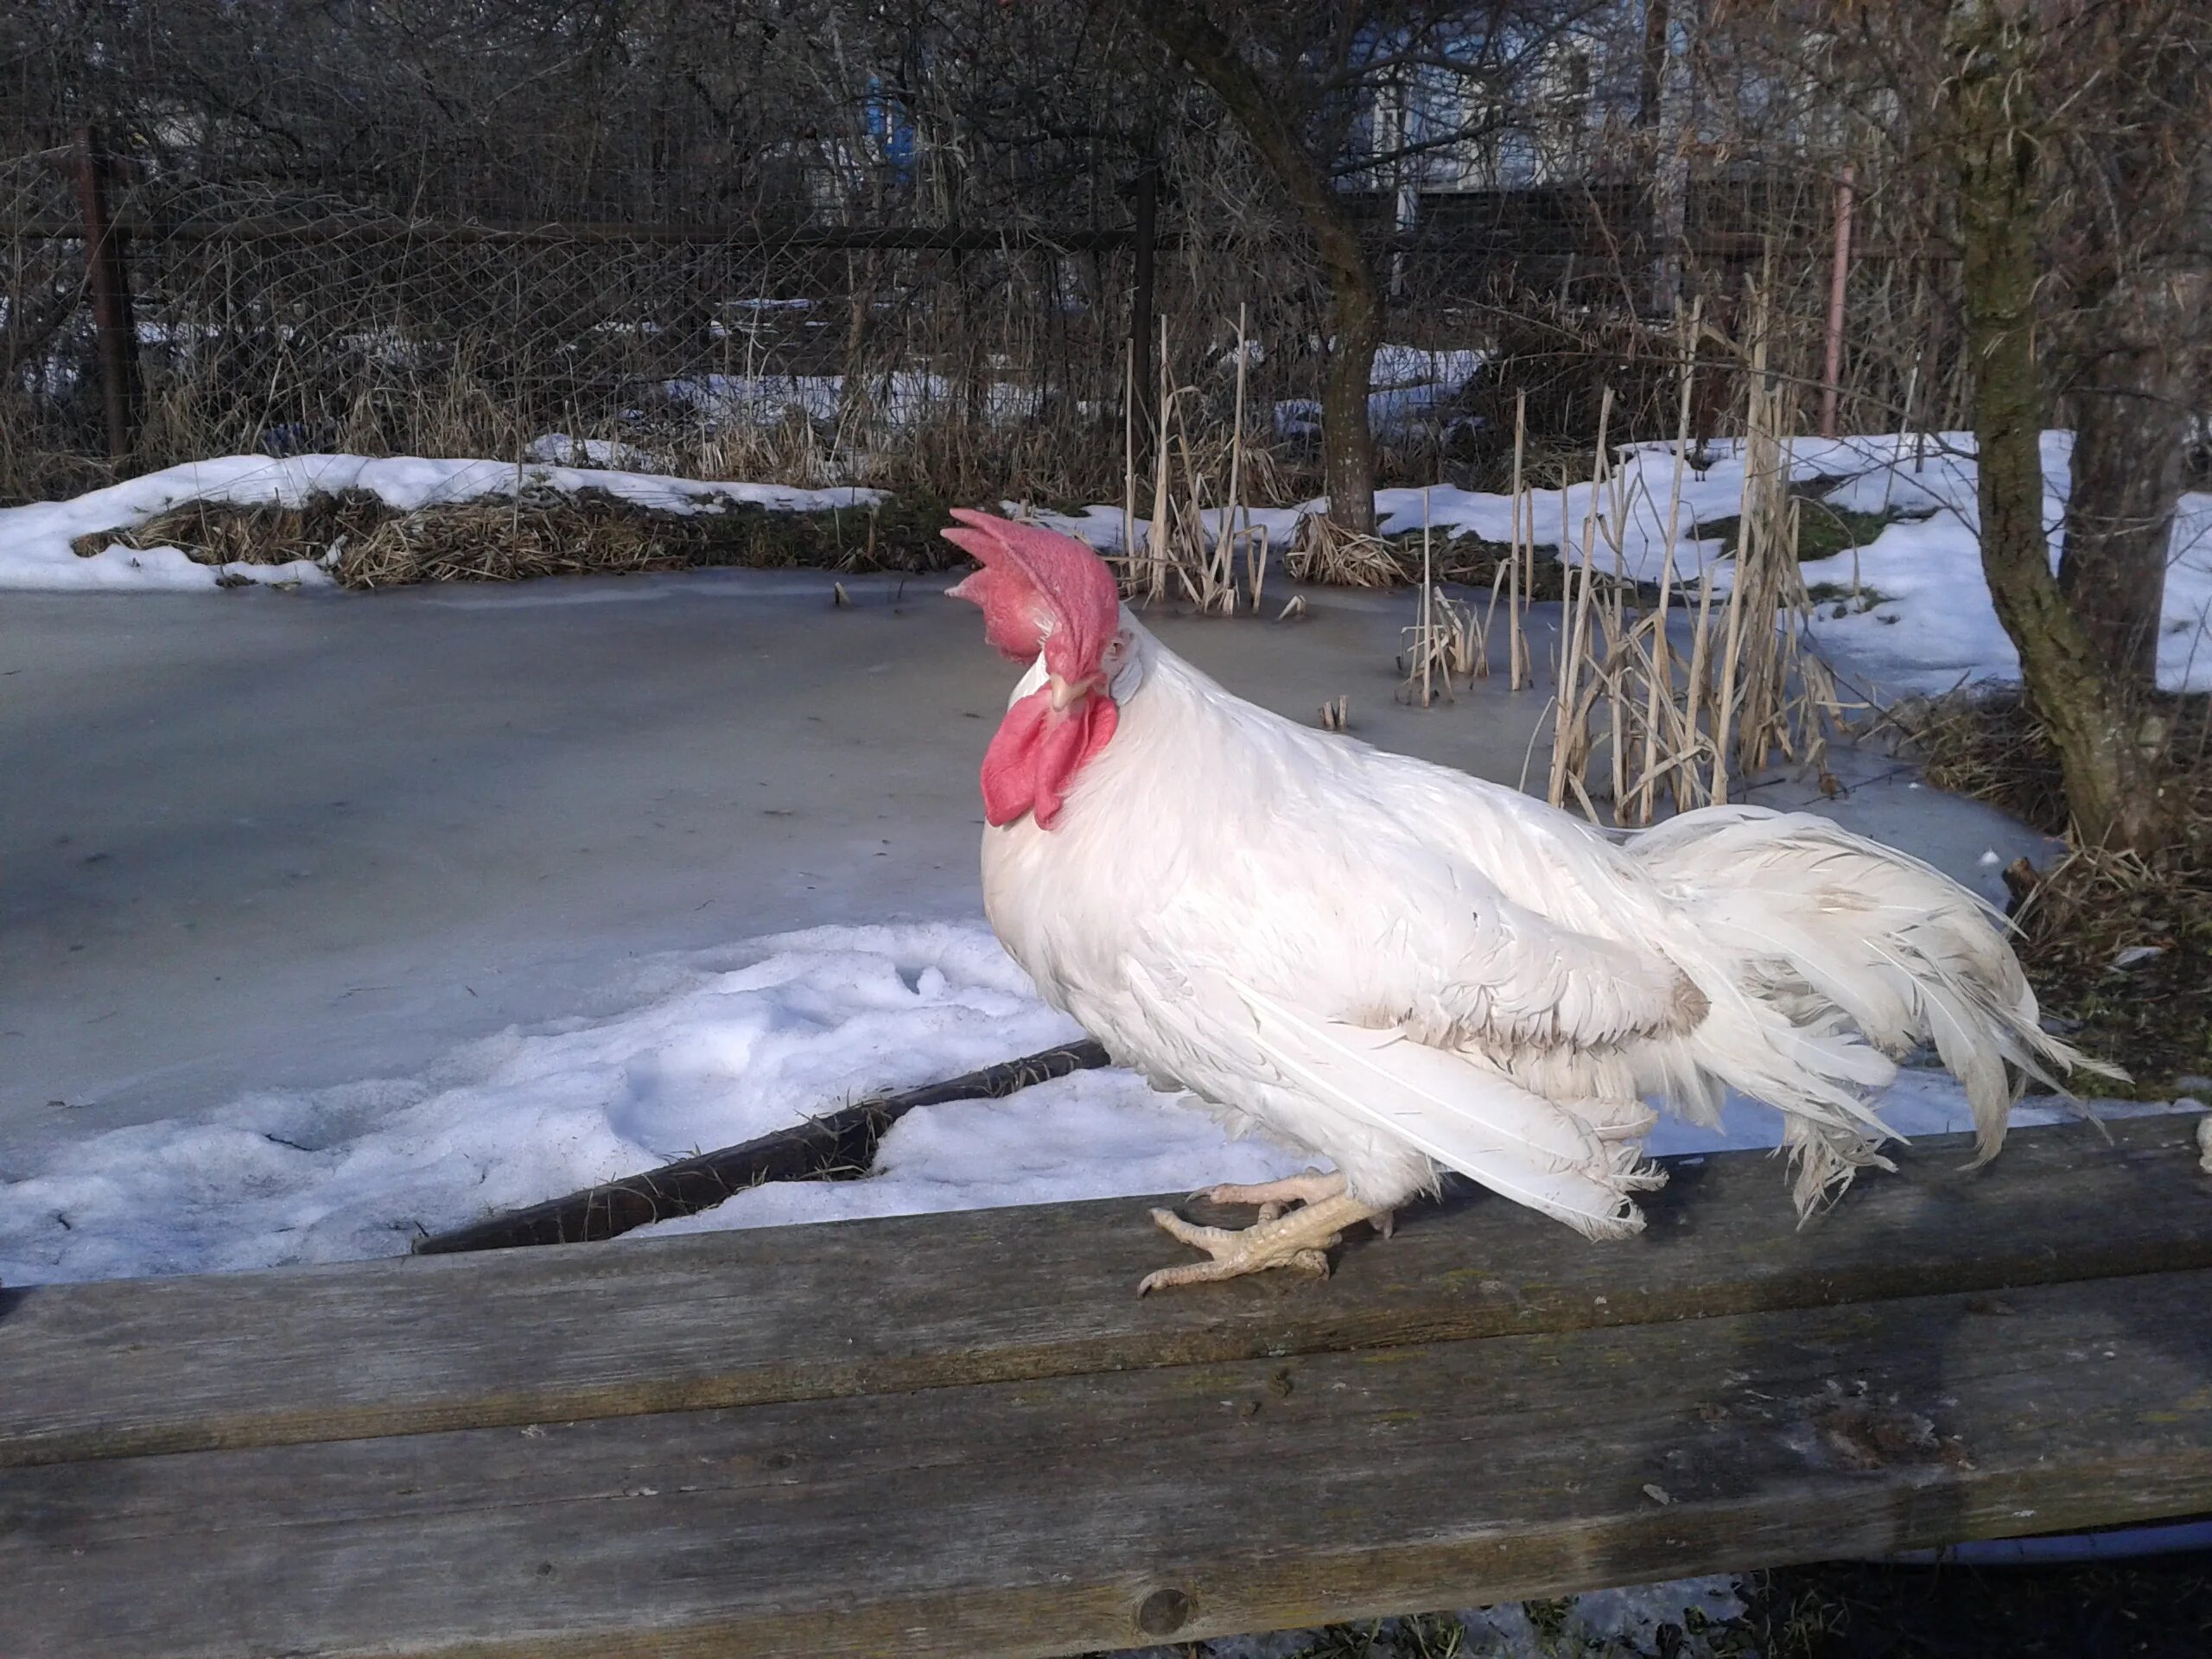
[896,400]
[561,449]
[721,1048]
[1621,1624]
[1091,1135]
[1921,620]
[35,550]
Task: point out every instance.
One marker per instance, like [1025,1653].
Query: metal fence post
[107,279]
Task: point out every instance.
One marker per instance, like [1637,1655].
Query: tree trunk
[2135,394]
[1356,295]
[1347,440]
[2111,789]
[2128,436]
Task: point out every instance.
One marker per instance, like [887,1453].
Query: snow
[1620,1623]
[1392,411]
[1409,381]
[1609,1621]
[563,450]
[727,1046]
[1092,1134]
[35,541]
[1931,628]
[1935,626]
[1410,385]
[1419,365]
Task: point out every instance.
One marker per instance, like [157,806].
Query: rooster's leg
[1301,1239]
[1275,1197]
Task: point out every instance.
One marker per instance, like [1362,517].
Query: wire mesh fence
[313,325]
[826,281]
[965,359]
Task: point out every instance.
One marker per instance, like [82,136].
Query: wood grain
[427,1345]
[1051,1515]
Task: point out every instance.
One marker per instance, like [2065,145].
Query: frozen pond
[266,840]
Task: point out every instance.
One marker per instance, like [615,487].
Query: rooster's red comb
[1037,588]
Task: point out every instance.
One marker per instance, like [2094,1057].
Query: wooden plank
[1049,1516]
[739,1318]
[688,1185]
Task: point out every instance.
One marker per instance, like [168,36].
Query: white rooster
[1409,971]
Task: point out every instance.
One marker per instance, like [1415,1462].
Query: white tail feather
[1857,941]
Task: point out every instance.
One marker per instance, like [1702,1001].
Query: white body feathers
[1408,969]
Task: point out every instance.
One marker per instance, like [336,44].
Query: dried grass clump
[500,540]
[542,533]
[1448,642]
[365,543]
[2120,950]
[222,533]
[1990,745]
[1218,566]
[1323,550]
[1471,562]
[789,449]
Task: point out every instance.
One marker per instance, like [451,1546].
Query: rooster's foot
[1300,1240]
[1276,1197]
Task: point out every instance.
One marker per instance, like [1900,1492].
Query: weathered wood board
[738,1318]
[964,1435]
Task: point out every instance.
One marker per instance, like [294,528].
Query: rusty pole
[107,279]
[1837,284]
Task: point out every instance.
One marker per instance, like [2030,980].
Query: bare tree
[2085,640]
[1297,80]
[2063,149]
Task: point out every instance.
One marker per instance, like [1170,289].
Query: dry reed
[1630,716]
[1199,544]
